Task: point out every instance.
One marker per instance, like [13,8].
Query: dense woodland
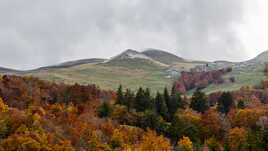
[36,115]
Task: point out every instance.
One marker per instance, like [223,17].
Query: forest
[37,115]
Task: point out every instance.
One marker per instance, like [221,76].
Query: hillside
[162,56]
[245,73]
[149,68]
[7,70]
[130,68]
[263,57]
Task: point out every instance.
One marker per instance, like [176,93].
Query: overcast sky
[36,33]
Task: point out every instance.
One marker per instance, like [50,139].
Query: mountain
[134,59]
[263,57]
[163,56]
[73,63]
[151,68]
[130,68]
[8,70]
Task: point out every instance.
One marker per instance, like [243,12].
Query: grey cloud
[36,33]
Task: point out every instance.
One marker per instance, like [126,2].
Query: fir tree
[199,101]
[161,106]
[142,101]
[225,102]
[120,95]
[166,96]
[105,110]
[129,97]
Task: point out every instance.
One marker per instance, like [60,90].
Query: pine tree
[161,106]
[225,102]
[175,101]
[105,110]
[142,101]
[150,119]
[166,96]
[129,97]
[199,101]
[120,95]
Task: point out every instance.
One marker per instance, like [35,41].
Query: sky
[35,33]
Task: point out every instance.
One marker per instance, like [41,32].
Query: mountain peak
[130,54]
[162,56]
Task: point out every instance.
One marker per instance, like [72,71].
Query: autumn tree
[238,139]
[225,102]
[151,142]
[227,145]
[185,144]
[3,106]
[210,125]
[199,101]
[212,144]
[241,104]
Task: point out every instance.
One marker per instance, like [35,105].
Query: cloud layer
[35,33]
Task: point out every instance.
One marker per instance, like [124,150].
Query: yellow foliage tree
[185,144]
[245,117]
[3,106]
[64,146]
[21,143]
[95,145]
[151,142]
[237,136]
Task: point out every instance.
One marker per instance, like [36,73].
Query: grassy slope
[162,56]
[243,78]
[109,76]
[135,74]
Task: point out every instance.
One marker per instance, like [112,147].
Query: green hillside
[162,56]
[131,74]
[153,68]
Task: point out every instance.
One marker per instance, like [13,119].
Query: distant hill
[134,59]
[162,56]
[246,73]
[263,57]
[151,68]
[130,68]
[73,63]
[8,70]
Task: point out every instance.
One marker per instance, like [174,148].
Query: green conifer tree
[199,101]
